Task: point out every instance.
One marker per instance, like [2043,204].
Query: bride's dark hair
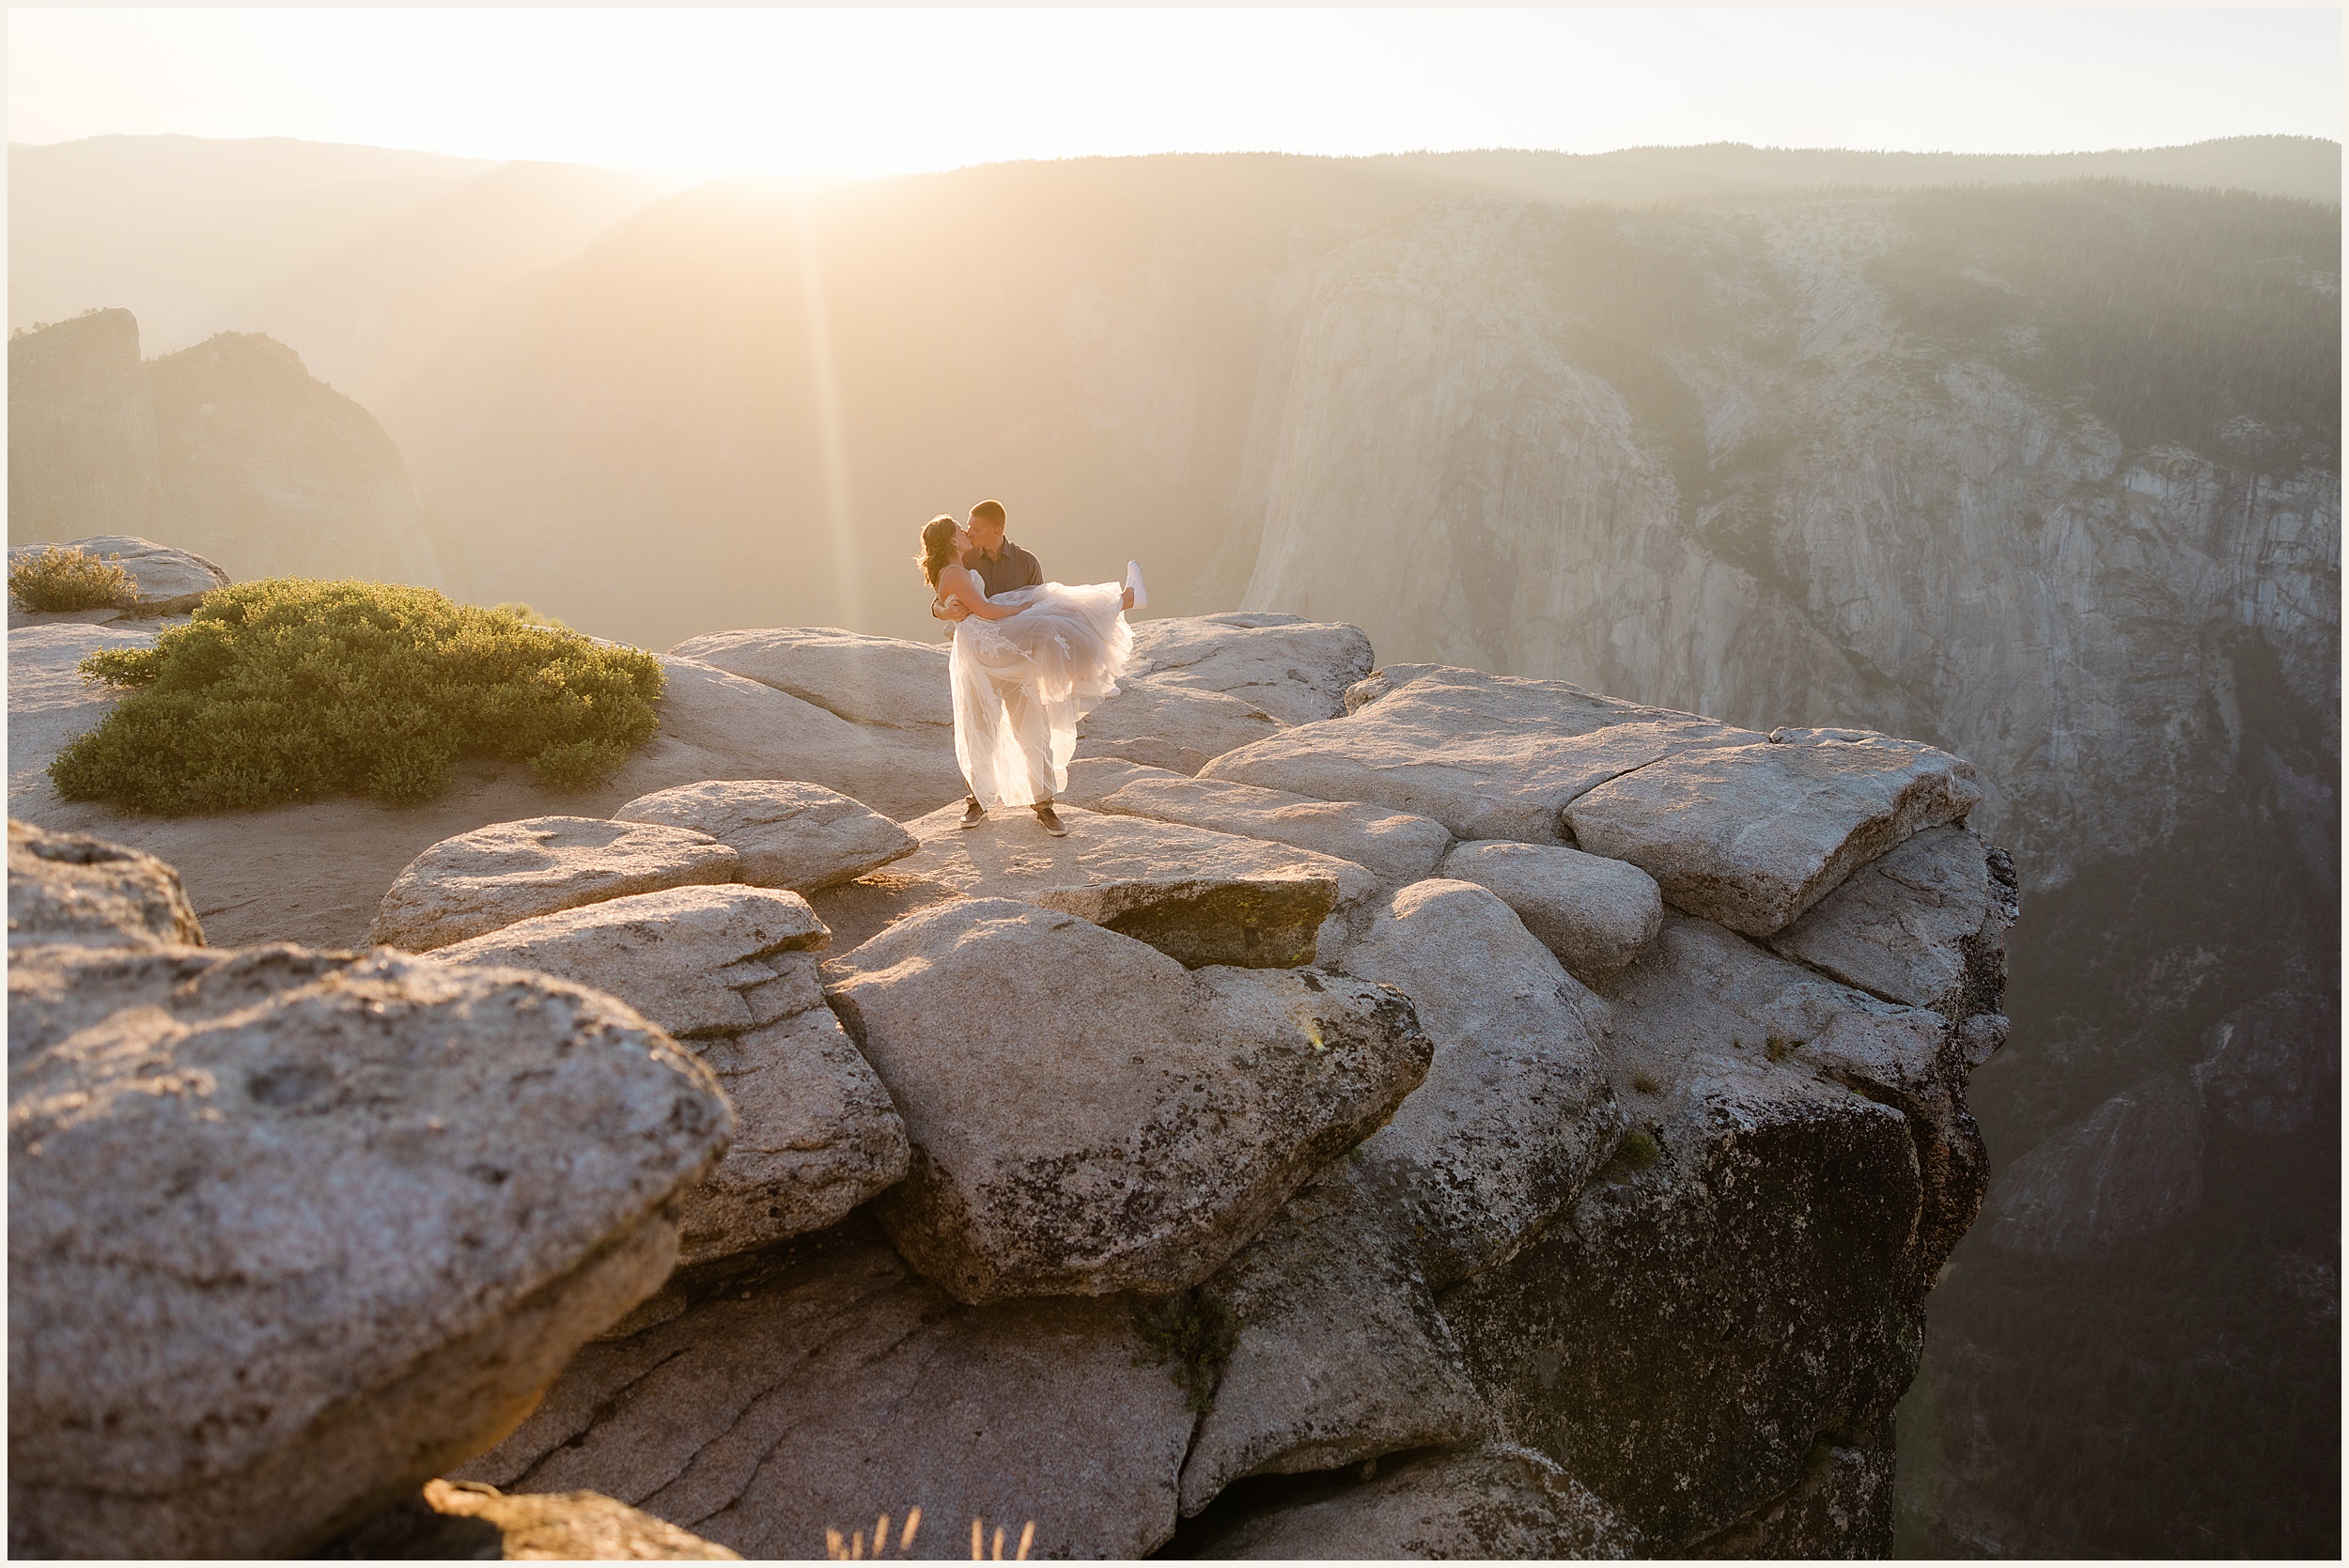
[937,547]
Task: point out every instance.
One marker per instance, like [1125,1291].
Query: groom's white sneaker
[1133,580]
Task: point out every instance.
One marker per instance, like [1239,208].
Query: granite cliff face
[1179,1184]
[230,448]
[81,432]
[1793,511]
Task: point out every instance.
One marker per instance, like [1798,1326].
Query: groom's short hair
[989,511]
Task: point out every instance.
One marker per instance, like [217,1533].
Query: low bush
[524,613]
[293,689]
[61,578]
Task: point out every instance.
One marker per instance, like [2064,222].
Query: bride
[1027,664]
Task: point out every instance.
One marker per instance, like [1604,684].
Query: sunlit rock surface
[1089,1116]
[353,1213]
[1181,1184]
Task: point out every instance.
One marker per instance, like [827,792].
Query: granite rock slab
[74,888]
[1341,1355]
[1088,1116]
[693,959]
[789,834]
[815,1134]
[1189,718]
[508,871]
[1201,896]
[1488,756]
[1516,1109]
[1296,670]
[1396,846]
[1595,914]
[310,1228]
[1752,836]
[887,681]
[1925,925]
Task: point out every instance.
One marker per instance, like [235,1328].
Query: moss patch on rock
[294,689]
[1255,923]
[1195,1329]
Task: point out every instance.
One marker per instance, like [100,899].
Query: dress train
[1020,684]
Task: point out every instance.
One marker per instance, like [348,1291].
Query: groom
[1002,565]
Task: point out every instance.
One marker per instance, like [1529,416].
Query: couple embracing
[1031,658]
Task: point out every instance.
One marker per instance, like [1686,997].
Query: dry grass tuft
[852,1547]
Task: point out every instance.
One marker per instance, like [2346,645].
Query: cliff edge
[1413,1112]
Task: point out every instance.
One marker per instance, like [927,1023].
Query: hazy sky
[871,91]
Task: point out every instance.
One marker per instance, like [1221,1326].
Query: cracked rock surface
[310,1227]
[1488,756]
[1926,926]
[1344,1357]
[815,1134]
[1750,836]
[1203,897]
[731,971]
[1396,846]
[1516,1111]
[1087,1115]
[507,872]
[1329,1154]
[831,1385]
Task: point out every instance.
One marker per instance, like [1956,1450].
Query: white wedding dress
[1022,683]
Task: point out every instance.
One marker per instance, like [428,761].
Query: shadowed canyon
[2033,461]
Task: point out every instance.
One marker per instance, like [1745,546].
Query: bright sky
[879,91]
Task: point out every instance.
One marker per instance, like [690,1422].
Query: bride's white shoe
[1133,580]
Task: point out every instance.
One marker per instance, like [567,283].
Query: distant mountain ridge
[2305,168]
[365,259]
[229,448]
[369,259]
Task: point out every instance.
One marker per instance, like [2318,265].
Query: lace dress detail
[1022,683]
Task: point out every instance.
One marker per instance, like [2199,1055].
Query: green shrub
[66,578]
[294,689]
[528,616]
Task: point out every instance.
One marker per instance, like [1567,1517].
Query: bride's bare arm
[956,583]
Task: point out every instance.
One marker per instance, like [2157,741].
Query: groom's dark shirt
[1013,569]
